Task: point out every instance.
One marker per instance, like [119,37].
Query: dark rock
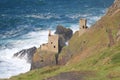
[26,52]
[61,42]
[65,32]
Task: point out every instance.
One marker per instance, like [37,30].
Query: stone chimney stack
[83,23]
[83,26]
[49,33]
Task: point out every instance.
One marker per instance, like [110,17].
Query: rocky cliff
[104,33]
[46,58]
[101,27]
[26,54]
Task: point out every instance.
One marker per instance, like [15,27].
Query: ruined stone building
[56,42]
[52,45]
[82,26]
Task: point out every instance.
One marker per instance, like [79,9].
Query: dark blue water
[24,23]
[27,15]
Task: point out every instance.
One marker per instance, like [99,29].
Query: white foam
[78,15]
[74,27]
[43,16]
[14,66]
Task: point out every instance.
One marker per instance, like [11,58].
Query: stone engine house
[83,23]
[52,45]
[82,26]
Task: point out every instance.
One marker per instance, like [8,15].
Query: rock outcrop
[26,53]
[61,42]
[64,35]
[44,58]
[65,32]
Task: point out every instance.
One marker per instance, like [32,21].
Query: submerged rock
[26,53]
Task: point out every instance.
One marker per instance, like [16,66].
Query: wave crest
[43,16]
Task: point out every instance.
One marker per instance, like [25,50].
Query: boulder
[26,53]
[65,32]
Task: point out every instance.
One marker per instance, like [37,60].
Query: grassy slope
[91,53]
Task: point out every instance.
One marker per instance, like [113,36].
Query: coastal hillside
[103,34]
[94,55]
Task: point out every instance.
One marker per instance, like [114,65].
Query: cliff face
[101,35]
[43,58]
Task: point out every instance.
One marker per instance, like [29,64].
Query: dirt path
[74,75]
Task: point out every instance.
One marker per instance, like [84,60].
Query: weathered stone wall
[53,43]
[83,23]
[43,59]
[44,47]
[83,26]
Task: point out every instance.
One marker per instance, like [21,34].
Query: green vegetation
[104,71]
